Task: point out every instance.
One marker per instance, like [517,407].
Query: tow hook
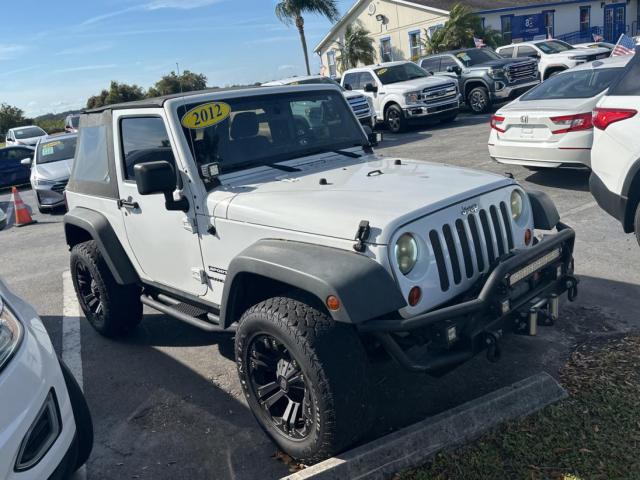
[493,346]
[572,288]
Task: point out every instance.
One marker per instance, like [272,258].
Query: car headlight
[412,97]
[42,182]
[579,57]
[517,205]
[10,334]
[406,253]
[496,72]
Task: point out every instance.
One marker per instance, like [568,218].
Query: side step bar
[161,304]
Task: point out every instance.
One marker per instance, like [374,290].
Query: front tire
[304,377]
[112,309]
[479,100]
[394,119]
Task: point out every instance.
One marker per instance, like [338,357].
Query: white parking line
[579,209]
[71,342]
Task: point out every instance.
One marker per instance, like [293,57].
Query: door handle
[128,204]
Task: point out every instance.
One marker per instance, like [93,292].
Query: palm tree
[357,47]
[290,11]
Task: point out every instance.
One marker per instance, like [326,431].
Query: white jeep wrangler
[402,93]
[266,212]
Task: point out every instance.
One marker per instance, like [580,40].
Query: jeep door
[165,243]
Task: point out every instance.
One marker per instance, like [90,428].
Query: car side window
[18,153]
[351,79]
[3,155]
[431,65]
[447,62]
[366,77]
[506,52]
[144,139]
[525,51]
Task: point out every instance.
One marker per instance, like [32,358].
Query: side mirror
[159,177]
[370,88]
[347,86]
[26,161]
[453,69]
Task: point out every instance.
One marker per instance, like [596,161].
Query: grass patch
[594,434]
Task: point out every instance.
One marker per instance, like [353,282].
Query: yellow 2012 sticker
[206,115]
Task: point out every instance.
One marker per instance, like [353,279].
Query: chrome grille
[360,106]
[440,93]
[471,245]
[60,186]
[522,71]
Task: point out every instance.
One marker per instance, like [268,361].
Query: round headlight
[406,253]
[517,204]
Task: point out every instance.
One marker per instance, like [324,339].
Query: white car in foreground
[45,424]
[615,158]
[550,126]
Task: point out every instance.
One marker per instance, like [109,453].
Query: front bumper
[455,333]
[508,92]
[431,110]
[25,384]
[51,196]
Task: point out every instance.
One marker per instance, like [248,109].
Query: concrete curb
[412,446]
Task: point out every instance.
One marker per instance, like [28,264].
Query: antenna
[179,78]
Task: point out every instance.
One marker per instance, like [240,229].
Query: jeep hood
[416,84]
[372,188]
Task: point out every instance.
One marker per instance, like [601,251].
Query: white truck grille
[470,245]
[440,93]
[520,72]
[360,106]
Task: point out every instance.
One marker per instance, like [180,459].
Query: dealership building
[399,26]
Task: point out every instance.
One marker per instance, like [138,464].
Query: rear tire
[328,378]
[112,309]
[479,100]
[81,415]
[394,119]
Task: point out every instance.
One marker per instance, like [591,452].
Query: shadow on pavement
[565,178]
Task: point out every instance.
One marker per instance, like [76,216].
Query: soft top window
[247,132]
[56,150]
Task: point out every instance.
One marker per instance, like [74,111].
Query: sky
[54,55]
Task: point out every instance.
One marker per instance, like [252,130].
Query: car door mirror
[347,86]
[454,69]
[26,161]
[370,88]
[159,177]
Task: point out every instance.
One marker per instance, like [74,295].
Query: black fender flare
[82,224]
[545,213]
[473,81]
[365,289]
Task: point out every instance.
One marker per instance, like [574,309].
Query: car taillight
[573,123]
[603,117]
[496,123]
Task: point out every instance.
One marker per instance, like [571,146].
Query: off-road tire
[333,362]
[121,306]
[394,119]
[479,100]
[81,415]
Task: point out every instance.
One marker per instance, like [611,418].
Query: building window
[385,50]
[415,49]
[331,61]
[506,28]
[433,28]
[549,16]
[585,19]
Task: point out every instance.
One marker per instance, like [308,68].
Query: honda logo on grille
[524,119]
[470,209]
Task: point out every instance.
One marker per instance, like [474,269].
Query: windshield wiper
[347,154]
[284,168]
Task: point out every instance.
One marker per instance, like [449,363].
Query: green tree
[291,11]
[458,32]
[117,93]
[10,117]
[170,84]
[356,48]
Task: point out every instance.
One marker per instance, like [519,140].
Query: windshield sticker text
[206,115]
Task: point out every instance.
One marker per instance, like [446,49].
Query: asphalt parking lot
[166,401]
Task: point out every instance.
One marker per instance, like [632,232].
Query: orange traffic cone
[23,217]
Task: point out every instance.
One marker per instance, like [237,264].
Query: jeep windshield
[477,57]
[554,46]
[254,131]
[400,73]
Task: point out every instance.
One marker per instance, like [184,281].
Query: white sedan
[45,424]
[551,125]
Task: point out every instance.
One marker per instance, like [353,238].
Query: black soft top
[158,102]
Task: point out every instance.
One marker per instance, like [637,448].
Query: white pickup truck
[554,56]
[403,92]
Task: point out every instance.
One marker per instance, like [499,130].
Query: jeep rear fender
[364,287]
[82,224]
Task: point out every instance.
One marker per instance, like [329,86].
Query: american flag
[598,38]
[625,46]
[479,42]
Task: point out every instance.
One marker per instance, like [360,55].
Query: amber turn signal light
[333,303]
[414,296]
[528,236]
